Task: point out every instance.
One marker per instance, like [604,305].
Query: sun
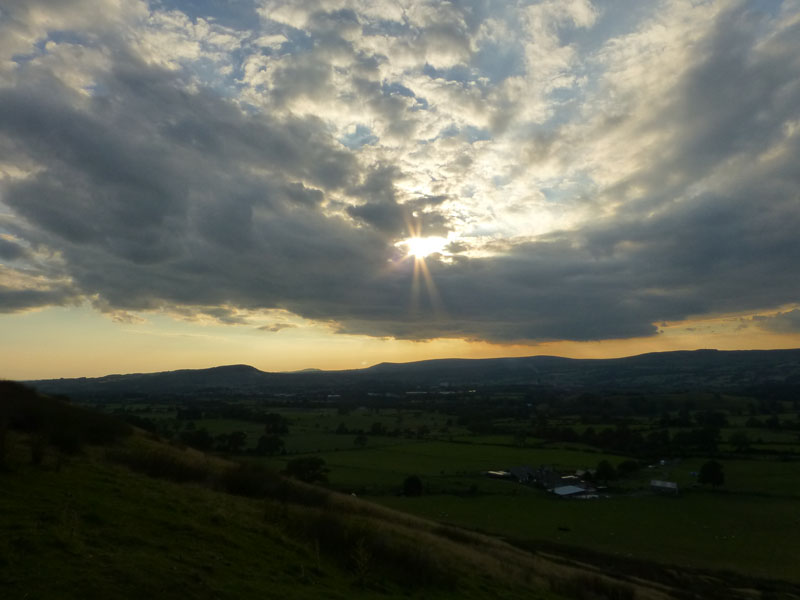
[420,247]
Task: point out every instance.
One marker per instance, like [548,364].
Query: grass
[701,530]
[749,526]
[97,529]
[443,465]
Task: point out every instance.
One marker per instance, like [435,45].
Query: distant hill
[709,370]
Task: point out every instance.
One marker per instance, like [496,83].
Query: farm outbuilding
[664,487]
[523,474]
[568,490]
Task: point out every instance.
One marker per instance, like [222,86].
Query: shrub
[712,472]
[605,471]
[249,479]
[359,545]
[310,469]
[199,439]
[162,464]
[627,468]
[412,486]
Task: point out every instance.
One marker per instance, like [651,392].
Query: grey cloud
[383,211]
[276,327]
[334,22]
[735,101]
[13,300]
[302,76]
[10,250]
[156,197]
[785,322]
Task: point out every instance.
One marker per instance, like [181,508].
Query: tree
[310,469]
[231,442]
[627,468]
[605,471]
[711,472]
[710,418]
[269,444]
[199,439]
[275,423]
[740,441]
[412,486]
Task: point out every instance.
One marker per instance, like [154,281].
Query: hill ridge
[679,370]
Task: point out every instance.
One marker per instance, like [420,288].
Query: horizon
[318,370]
[333,184]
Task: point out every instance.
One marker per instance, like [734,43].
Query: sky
[338,183]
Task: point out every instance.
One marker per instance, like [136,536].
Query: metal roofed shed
[568,490]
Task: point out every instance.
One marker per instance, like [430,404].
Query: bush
[249,479]
[605,471]
[162,464]
[412,486]
[358,545]
[711,472]
[199,439]
[310,469]
[627,468]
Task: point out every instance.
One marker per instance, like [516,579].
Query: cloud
[11,250]
[276,327]
[785,322]
[601,182]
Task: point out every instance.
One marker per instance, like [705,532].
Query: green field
[749,525]
[753,535]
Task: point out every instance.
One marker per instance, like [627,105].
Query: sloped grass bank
[93,527]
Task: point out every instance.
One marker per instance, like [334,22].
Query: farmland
[748,524]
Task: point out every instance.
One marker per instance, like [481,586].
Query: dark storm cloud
[12,300]
[10,250]
[158,193]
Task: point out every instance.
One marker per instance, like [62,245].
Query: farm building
[523,474]
[664,487]
[497,474]
[568,491]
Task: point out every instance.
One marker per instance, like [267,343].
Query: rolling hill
[709,370]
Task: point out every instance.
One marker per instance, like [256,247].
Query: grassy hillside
[124,515]
[137,517]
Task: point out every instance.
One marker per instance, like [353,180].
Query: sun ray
[433,293]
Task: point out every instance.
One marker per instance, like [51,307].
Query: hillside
[666,371]
[126,516]
[136,517]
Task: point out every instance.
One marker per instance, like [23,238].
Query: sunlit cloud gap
[420,247]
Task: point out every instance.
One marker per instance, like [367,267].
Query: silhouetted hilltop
[664,371]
